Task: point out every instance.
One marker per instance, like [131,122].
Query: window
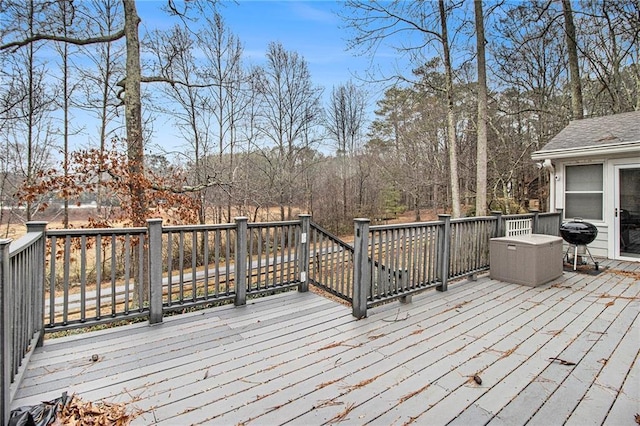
[583,192]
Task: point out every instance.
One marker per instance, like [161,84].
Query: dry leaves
[561,361]
[78,412]
[414,393]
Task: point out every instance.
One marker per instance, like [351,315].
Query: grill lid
[578,232]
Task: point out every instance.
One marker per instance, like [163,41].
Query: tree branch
[76,41]
[189,189]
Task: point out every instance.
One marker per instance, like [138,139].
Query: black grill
[578,233]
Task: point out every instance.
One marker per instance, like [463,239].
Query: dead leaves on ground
[614,298]
[561,361]
[78,412]
[414,393]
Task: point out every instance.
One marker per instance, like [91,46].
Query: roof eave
[588,151]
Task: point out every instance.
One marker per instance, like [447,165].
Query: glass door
[628,212]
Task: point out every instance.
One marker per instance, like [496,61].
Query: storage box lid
[533,239]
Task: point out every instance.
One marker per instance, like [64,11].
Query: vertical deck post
[38,313]
[559,220]
[5,332]
[498,215]
[361,269]
[444,246]
[154,227]
[534,221]
[241,261]
[303,261]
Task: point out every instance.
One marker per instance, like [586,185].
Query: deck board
[298,358]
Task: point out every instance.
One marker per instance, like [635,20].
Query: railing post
[303,261]
[498,215]
[38,314]
[444,245]
[5,331]
[361,269]
[534,220]
[154,227]
[241,261]
[559,220]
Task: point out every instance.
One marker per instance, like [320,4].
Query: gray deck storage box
[530,260]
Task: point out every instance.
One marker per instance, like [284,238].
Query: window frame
[600,192]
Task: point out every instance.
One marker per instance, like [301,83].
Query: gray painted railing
[61,279]
[21,307]
[97,276]
[395,261]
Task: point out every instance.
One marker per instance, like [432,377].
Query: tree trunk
[133,113]
[574,71]
[451,120]
[481,148]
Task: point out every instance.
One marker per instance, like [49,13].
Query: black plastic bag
[42,414]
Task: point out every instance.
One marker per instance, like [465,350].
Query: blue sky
[310,28]
[313,29]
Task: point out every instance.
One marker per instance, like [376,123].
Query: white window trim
[601,192]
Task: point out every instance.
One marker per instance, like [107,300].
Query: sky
[312,29]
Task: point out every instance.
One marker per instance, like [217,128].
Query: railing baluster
[141,271]
[98,302]
[205,262]
[83,278]
[52,281]
[216,261]
[227,260]
[194,270]
[181,263]
[65,280]
[169,268]
[113,275]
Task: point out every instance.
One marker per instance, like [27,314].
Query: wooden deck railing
[395,261]
[21,305]
[61,279]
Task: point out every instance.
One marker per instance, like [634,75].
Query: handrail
[459,248]
[21,308]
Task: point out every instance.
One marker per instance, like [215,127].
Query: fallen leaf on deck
[562,361]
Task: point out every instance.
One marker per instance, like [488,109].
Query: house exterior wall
[604,245]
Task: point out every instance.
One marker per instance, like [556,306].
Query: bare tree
[131,91]
[99,74]
[290,107]
[574,68]
[375,22]
[481,148]
[227,100]
[345,120]
[29,132]
[609,34]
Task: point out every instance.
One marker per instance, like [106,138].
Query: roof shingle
[598,131]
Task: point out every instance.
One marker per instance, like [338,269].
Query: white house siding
[604,245]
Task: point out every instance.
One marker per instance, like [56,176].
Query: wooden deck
[564,352]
